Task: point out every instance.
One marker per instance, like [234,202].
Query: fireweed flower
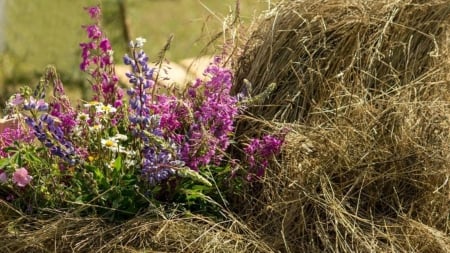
[21,178]
[60,107]
[214,110]
[258,153]
[97,60]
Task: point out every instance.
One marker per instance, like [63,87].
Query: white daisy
[105,109]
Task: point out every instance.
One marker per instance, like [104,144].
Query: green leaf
[117,163]
[31,158]
[4,162]
[194,195]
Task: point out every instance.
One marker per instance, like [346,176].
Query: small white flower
[140,42]
[130,163]
[120,137]
[110,143]
[105,109]
[82,117]
[95,128]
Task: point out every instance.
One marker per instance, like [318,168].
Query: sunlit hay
[150,232]
[364,86]
[349,185]
[326,54]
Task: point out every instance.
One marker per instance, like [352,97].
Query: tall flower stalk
[97,61]
[158,155]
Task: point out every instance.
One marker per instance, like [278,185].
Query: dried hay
[373,182]
[325,54]
[365,88]
[155,231]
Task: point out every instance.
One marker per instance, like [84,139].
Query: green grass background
[38,33]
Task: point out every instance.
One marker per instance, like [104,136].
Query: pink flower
[3,177]
[93,31]
[21,177]
[93,11]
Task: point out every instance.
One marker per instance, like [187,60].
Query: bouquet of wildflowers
[123,150]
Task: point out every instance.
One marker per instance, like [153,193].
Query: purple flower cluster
[259,152]
[49,133]
[141,79]
[159,165]
[158,162]
[97,60]
[9,135]
[214,110]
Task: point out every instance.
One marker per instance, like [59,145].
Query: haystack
[365,90]
[330,53]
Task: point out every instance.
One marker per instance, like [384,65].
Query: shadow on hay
[364,87]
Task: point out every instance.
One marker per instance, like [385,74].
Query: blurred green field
[38,33]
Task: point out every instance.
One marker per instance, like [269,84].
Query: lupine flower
[150,116]
[56,142]
[37,105]
[159,166]
[15,100]
[21,178]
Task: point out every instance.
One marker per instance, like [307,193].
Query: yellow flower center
[109,143]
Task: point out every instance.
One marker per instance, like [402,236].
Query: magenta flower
[3,176]
[21,177]
[94,11]
[93,31]
[97,61]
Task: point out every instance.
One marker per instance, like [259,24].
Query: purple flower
[94,12]
[3,177]
[258,153]
[214,110]
[15,100]
[55,140]
[158,166]
[93,31]
[97,60]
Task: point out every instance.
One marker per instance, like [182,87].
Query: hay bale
[364,86]
[361,185]
[322,54]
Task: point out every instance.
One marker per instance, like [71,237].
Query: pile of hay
[364,86]
[155,231]
[325,55]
